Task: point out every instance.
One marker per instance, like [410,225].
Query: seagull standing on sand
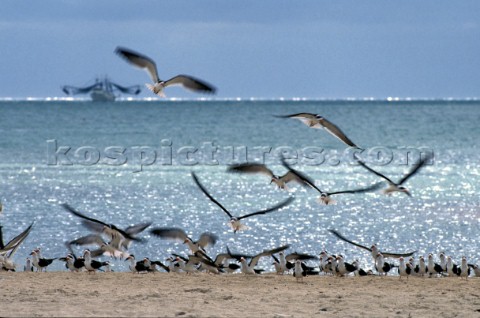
[397,186]
[235,223]
[404,269]
[149,65]
[319,122]
[299,273]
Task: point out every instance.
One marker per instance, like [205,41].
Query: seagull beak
[407,192]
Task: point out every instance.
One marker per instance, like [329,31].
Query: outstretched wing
[14,243]
[398,255]
[139,60]
[343,238]
[254,260]
[191,83]
[335,131]
[371,188]
[137,228]
[272,209]
[415,169]
[306,118]
[251,168]
[207,239]
[300,177]
[373,171]
[209,195]
[173,233]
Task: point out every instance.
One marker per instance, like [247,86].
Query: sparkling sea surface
[102,174]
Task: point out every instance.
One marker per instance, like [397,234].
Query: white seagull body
[158,85]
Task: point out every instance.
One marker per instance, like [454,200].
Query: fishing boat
[103,90]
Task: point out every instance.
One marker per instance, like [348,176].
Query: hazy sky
[268,48]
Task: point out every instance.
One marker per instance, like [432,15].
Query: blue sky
[270,48]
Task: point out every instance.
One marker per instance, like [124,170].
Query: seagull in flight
[174,233]
[119,239]
[397,186]
[280,181]
[319,122]
[374,249]
[235,220]
[149,65]
[325,196]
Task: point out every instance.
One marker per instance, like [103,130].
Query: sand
[207,295]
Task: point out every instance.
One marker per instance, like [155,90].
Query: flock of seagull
[113,241]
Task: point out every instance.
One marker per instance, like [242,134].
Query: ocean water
[131,161]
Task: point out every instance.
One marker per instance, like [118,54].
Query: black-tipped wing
[173,233]
[343,238]
[306,118]
[251,168]
[191,83]
[139,60]
[134,90]
[415,169]
[207,239]
[374,172]
[272,209]
[371,188]
[197,182]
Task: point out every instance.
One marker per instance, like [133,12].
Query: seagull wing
[254,260]
[374,172]
[343,238]
[335,131]
[139,60]
[306,118]
[300,256]
[137,228]
[191,83]
[15,243]
[398,255]
[2,245]
[209,196]
[251,168]
[299,176]
[373,187]
[415,169]
[237,256]
[272,209]
[173,233]
[207,239]
[92,220]
[88,240]
[76,213]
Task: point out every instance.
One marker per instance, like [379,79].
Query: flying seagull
[325,196]
[235,220]
[149,65]
[280,181]
[109,229]
[205,239]
[319,122]
[374,249]
[397,186]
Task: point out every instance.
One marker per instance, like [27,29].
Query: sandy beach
[205,295]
